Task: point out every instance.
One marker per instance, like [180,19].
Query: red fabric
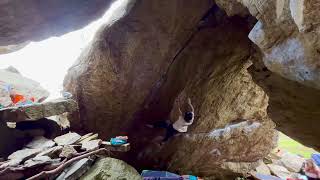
[17,98]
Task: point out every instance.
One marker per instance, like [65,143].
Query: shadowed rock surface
[34,20]
[287,36]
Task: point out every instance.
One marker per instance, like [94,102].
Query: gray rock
[39,160]
[91,145]
[76,170]
[12,69]
[84,137]
[24,154]
[11,163]
[67,139]
[110,168]
[67,151]
[37,20]
[49,152]
[263,169]
[41,143]
[292,162]
[279,171]
[88,138]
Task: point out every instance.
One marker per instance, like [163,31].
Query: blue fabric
[149,173]
[163,178]
[316,158]
[117,142]
[163,175]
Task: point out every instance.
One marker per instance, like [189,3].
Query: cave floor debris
[45,150]
[65,161]
[283,165]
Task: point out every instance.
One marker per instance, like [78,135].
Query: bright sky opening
[47,61]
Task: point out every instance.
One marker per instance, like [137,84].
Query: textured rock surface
[287,35]
[20,84]
[38,110]
[294,107]
[35,20]
[129,57]
[40,142]
[76,170]
[110,168]
[148,61]
[67,139]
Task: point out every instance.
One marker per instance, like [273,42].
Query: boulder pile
[282,165]
[67,156]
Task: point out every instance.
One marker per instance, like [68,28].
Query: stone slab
[67,139]
[76,170]
[38,110]
[41,143]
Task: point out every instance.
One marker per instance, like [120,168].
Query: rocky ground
[69,156]
[280,164]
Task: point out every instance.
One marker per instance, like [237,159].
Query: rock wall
[294,107]
[137,68]
[287,36]
[113,77]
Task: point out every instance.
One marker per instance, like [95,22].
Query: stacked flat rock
[38,110]
[280,165]
[71,151]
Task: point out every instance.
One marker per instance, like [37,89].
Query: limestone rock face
[35,20]
[160,52]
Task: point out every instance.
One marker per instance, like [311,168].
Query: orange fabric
[17,98]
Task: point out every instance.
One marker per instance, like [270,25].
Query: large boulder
[110,168]
[288,68]
[114,76]
[137,68]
